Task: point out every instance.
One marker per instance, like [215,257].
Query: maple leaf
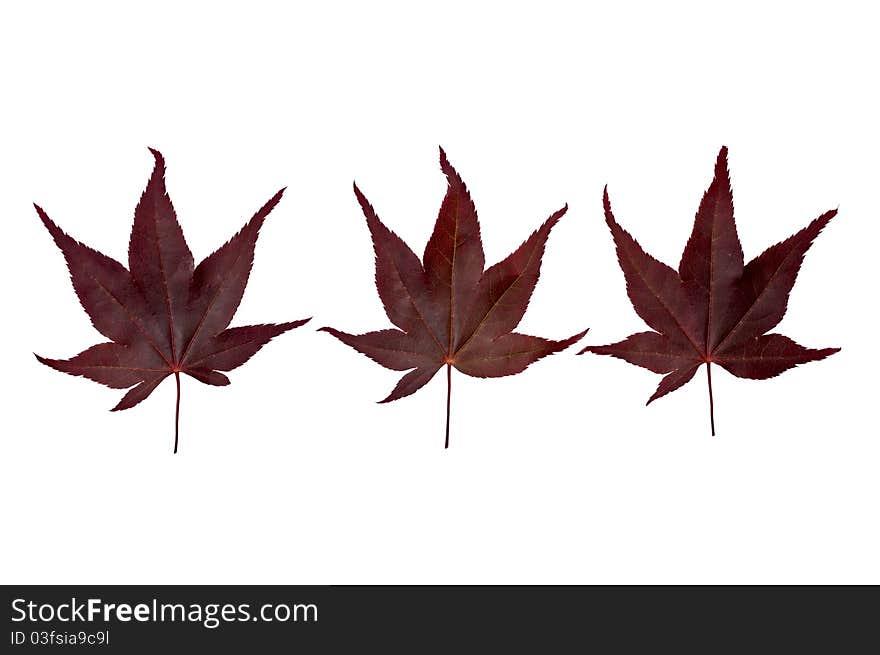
[449,310]
[714,309]
[163,315]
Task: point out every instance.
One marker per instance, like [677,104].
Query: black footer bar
[415,619]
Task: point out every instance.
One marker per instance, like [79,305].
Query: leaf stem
[711,401]
[448,399]
[177,411]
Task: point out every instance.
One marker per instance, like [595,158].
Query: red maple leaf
[714,309]
[449,310]
[163,315]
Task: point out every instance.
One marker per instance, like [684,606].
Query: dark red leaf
[449,310]
[163,315]
[714,309]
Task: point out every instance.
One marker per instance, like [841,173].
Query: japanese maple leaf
[449,310]
[163,315]
[714,309]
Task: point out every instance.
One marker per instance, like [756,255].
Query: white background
[293,474]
